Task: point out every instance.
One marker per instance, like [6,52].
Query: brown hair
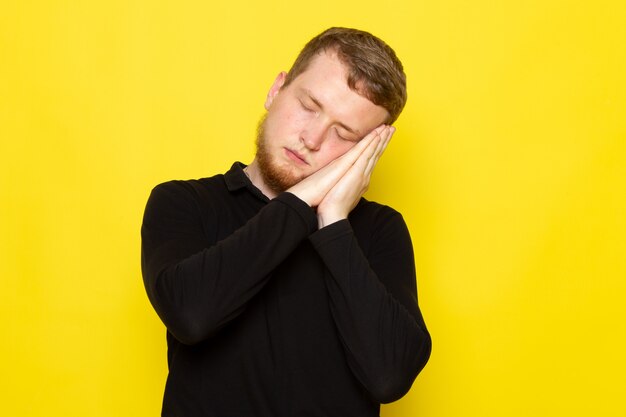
[374,70]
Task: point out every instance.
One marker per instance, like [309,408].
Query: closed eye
[340,136]
[306,107]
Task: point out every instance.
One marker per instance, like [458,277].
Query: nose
[313,136]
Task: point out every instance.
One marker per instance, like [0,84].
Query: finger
[359,156]
[374,157]
[349,158]
[382,145]
[386,139]
[370,154]
[370,137]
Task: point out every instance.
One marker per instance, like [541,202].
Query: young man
[284,292]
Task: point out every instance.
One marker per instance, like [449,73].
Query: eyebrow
[318,104]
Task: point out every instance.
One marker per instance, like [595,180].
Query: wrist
[326,219]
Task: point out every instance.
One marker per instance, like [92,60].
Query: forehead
[325,71]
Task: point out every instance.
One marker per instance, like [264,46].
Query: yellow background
[509,165]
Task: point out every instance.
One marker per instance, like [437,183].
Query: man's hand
[336,188]
[346,193]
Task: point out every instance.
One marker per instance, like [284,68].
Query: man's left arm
[373,301]
[373,296]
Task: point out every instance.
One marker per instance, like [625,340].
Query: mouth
[295,156]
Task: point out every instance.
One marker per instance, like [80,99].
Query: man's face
[312,121]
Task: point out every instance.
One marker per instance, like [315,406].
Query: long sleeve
[199,274]
[373,299]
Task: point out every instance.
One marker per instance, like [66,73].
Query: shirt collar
[236,179]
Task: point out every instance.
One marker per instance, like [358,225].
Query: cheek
[335,149]
[288,122]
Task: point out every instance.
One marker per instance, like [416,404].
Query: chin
[276,177]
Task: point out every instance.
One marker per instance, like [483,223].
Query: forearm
[197,286]
[384,335]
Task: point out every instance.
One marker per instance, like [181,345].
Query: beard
[278,178]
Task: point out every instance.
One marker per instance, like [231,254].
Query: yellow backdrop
[509,165]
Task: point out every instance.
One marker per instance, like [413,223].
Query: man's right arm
[197,286]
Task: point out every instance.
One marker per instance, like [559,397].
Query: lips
[296,156]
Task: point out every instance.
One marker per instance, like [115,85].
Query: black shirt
[268,316]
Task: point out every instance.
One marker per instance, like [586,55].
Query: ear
[278,83]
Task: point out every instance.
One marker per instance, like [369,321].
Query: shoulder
[188,191]
[215,188]
[190,187]
[186,198]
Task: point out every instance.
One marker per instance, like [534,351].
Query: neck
[254,174]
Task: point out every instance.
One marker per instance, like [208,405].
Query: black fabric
[268,316]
